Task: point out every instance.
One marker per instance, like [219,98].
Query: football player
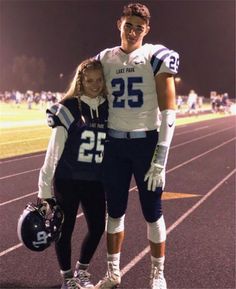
[141,88]
[73,167]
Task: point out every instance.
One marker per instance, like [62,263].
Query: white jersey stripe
[63,114]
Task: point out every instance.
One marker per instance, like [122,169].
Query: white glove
[156,173]
[156,177]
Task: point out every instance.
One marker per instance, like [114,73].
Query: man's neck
[130,48]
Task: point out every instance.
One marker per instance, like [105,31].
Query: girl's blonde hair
[76,87]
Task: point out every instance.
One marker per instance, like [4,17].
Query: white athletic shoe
[111,280]
[157,279]
[82,278]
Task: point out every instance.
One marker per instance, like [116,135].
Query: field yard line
[201,137]
[15,124]
[138,258]
[24,130]
[24,140]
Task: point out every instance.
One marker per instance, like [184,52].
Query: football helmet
[37,227]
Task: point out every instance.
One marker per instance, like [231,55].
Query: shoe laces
[71,283]
[83,275]
[157,278]
[111,272]
[110,279]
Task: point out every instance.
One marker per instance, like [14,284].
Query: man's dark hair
[137,9]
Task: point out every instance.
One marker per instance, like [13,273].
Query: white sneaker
[157,279]
[111,280]
[82,278]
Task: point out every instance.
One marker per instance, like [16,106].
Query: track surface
[199,208]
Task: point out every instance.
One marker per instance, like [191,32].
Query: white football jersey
[130,80]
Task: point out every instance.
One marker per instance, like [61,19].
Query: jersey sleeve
[59,115]
[164,60]
[53,155]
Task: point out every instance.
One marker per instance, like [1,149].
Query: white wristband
[167,127]
[165,137]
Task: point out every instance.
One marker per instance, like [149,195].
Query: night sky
[65,32]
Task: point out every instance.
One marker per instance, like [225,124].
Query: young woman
[72,169]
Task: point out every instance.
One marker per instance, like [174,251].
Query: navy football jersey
[83,152]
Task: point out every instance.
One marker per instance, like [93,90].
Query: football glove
[155,177]
[156,173]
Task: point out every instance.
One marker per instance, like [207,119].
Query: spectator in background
[192,101]
[179,103]
[213,97]
[200,103]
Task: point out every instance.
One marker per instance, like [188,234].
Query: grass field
[25,131]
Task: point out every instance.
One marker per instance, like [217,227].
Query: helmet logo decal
[41,239]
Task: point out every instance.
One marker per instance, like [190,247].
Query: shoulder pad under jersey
[59,115]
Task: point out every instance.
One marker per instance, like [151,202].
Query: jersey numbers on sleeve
[50,120]
[89,143]
[135,95]
[174,63]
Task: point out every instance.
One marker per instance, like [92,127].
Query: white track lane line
[22,158]
[172,147]
[41,154]
[20,244]
[17,199]
[201,137]
[168,171]
[144,252]
[139,257]
[23,141]
[200,155]
[18,174]
[135,260]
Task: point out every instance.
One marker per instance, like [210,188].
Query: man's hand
[155,176]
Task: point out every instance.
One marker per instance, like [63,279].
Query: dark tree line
[25,72]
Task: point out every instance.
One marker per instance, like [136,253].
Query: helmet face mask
[38,229]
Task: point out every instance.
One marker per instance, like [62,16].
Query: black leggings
[70,194]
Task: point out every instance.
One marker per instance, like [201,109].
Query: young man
[141,89]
